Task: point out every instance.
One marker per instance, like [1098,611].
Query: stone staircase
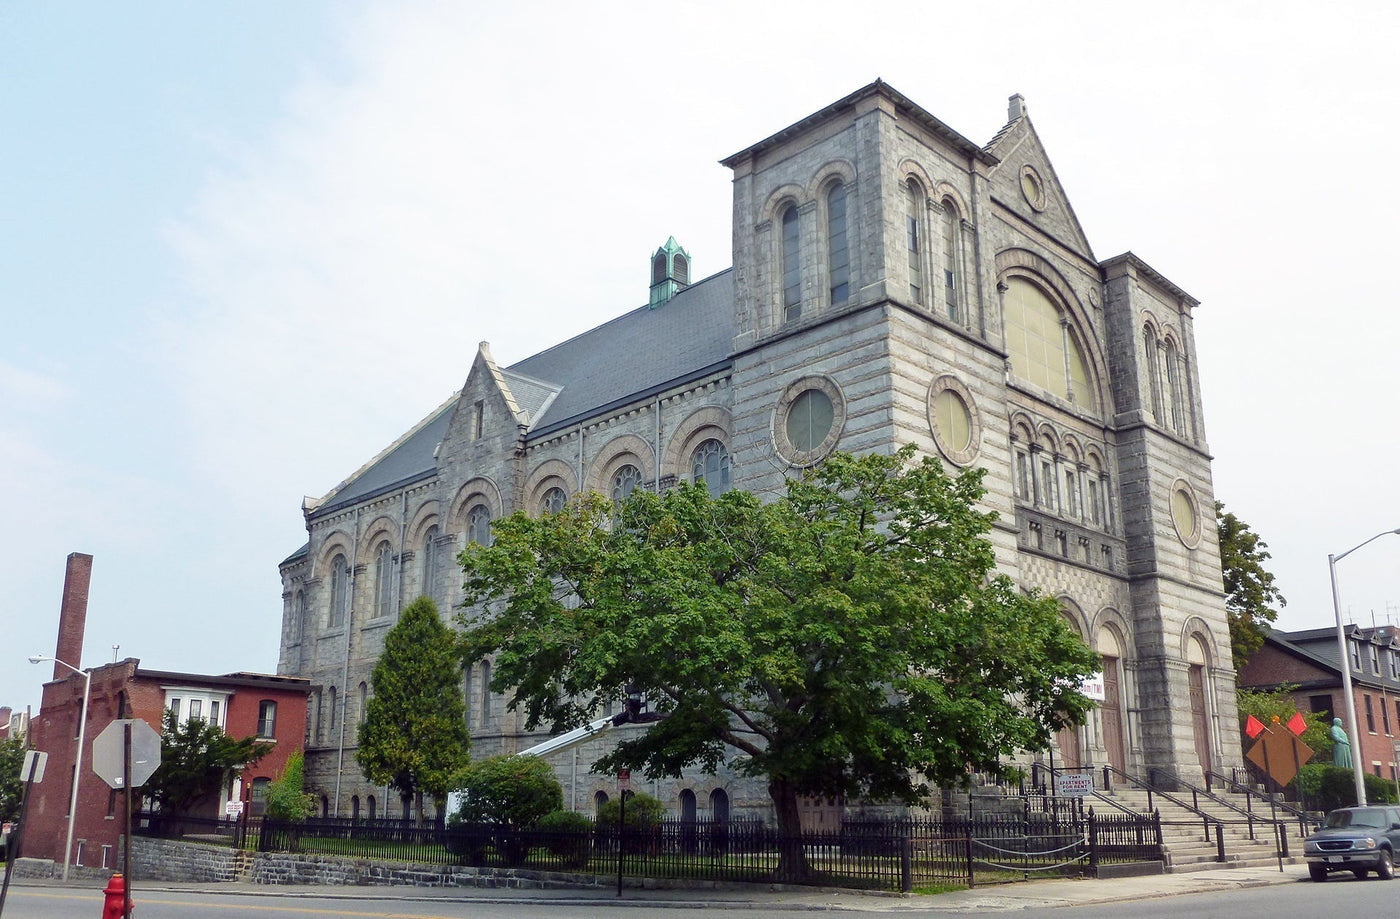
[1184,832]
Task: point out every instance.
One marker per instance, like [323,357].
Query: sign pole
[126,793]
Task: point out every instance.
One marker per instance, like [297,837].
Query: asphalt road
[1341,896]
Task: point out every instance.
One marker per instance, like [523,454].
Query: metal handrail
[1206,819]
[1196,792]
[1304,819]
[1095,793]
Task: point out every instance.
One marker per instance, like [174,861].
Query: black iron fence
[237,833]
[884,854]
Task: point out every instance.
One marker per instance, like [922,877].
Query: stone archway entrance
[1111,708]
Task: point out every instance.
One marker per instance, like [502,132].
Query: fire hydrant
[114,907]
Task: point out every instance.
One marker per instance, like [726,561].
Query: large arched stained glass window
[479,525]
[624,481]
[1043,344]
[711,466]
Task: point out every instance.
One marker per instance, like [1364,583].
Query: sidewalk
[1007,897]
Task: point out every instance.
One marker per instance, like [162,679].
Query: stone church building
[892,282]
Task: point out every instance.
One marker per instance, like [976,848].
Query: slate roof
[641,352]
[635,354]
[407,460]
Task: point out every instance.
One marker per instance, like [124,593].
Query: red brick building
[272,708]
[1308,660]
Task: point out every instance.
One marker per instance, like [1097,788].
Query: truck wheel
[1385,868]
[1317,872]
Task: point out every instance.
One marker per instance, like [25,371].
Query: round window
[952,417]
[1184,516]
[1032,187]
[809,420]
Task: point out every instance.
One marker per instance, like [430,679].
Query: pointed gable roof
[1015,147]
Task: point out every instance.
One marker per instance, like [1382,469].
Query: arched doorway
[1196,660]
[719,805]
[1111,709]
[1067,738]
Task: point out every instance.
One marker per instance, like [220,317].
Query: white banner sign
[1093,687]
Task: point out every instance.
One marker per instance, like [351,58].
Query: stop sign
[108,752]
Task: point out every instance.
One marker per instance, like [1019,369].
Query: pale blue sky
[245,245]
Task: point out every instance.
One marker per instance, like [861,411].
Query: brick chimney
[72,617]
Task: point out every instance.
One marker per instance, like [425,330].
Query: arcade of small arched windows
[1166,378]
[813,262]
[1063,495]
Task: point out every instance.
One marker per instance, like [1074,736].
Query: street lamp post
[1358,773]
[78,763]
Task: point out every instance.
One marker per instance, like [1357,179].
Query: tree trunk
[792,860]
[418,807]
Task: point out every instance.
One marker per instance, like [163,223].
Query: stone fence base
[172,860]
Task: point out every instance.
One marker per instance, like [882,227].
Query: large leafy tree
[1250,593]
[11,781]
[849,638]
[414,735]
[196,758]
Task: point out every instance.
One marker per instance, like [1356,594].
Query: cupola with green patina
[670,272]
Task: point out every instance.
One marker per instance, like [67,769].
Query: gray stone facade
[931,291]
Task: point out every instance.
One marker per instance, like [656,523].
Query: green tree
[11,781]
[414,734]
[287,798]
[643,810]
[512,790]
[196,759]
[850,638]
[1249,587]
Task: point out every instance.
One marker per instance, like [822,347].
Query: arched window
[680,269]
[354,807]
[912,215]
[340,594]
[364,699]
[838,253]
[330,699]
[373,805]
[711,466]
[952,257]
[430,561]
[383,580]
[1043,345]
[1175,402]
[485,707]
[1150,370]
[792,266]
[554,500]
[599,799]
[479,525]
[624,481]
